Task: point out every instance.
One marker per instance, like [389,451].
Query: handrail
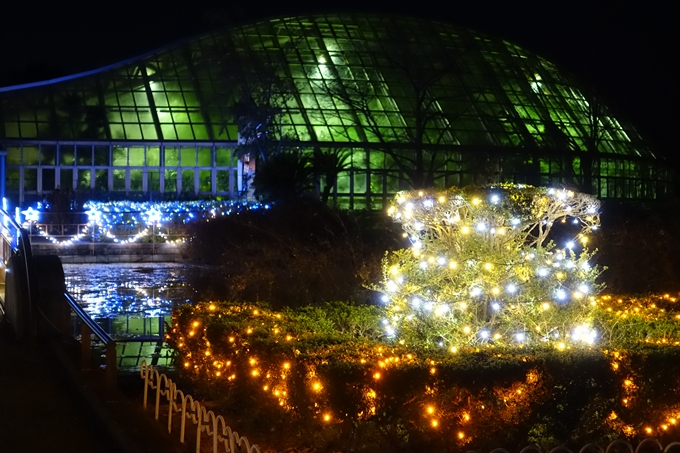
[84,317]
[21,243]
[89,327]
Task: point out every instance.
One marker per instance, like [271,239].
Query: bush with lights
[483,269]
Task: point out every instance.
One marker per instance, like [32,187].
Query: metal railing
[87,328]
[15,241]
[190,409]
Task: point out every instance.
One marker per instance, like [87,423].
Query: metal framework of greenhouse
[162,125]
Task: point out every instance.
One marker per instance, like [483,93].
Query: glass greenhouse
[408,102]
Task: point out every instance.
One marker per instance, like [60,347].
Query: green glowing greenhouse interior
[391,91]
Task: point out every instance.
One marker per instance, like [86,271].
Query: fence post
[85,346]
[111,365]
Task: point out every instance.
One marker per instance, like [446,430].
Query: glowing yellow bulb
[461,435]
[430,410]
[231,339]
[420,193]
[466,417]
[288,338]
[627,382]
[317,386]
[466,329]
[394,270]
[488,266]
[561,346]
[454,349]
[286,365]
[476,201]
[211,307]
[433,370]
[376,376]
[495,291]
[327,417]
[442,199]
[195,323]
[435,423]
[545,306]
[249,331]
[465,230]
[453,265]
[648,430]
[253,361]
[255,373]
[256,312]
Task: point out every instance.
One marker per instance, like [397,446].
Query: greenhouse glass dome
[408,102]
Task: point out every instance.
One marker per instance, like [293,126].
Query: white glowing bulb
[385,298]
[511,288]
[475,291]
[496,306]
[583,288]
[441,260]
[514,222]
[495,199]
[389,330]
[391,286]
[428,203]
[484,334]
[481,226]
[542,272]
[520,337]
[428,306]
[561,294]
[415,302]
[423,264]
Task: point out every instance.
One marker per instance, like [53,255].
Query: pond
[133,302]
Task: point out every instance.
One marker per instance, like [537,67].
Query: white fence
[187,408]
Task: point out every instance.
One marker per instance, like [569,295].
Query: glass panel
[30,155]
[223,157]
[119,180]
[188,157]
[101,180]
[223,181]
[66,178]
[13,156]
[101,155]
[153,156]
[135,180]
[205,181]
[154,181]
[136,157]
[171,157]
[84,179]
[84,155]
[48,179]
[187,181]
[204,157]
[12,181]
[170,181]
[66,155]
[120,157]
[30,179]
[48,154]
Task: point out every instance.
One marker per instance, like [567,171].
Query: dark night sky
[626,51]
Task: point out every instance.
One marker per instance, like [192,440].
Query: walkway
[46,405]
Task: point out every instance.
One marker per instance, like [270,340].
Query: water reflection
[114,290]
[132,302]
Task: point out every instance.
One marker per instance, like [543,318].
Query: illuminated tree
[483,268]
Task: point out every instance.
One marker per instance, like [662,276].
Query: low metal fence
[189,409]
[617,446]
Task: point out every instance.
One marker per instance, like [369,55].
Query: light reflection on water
[132,302]
[128,289]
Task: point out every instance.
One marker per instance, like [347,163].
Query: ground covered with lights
[490,330]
